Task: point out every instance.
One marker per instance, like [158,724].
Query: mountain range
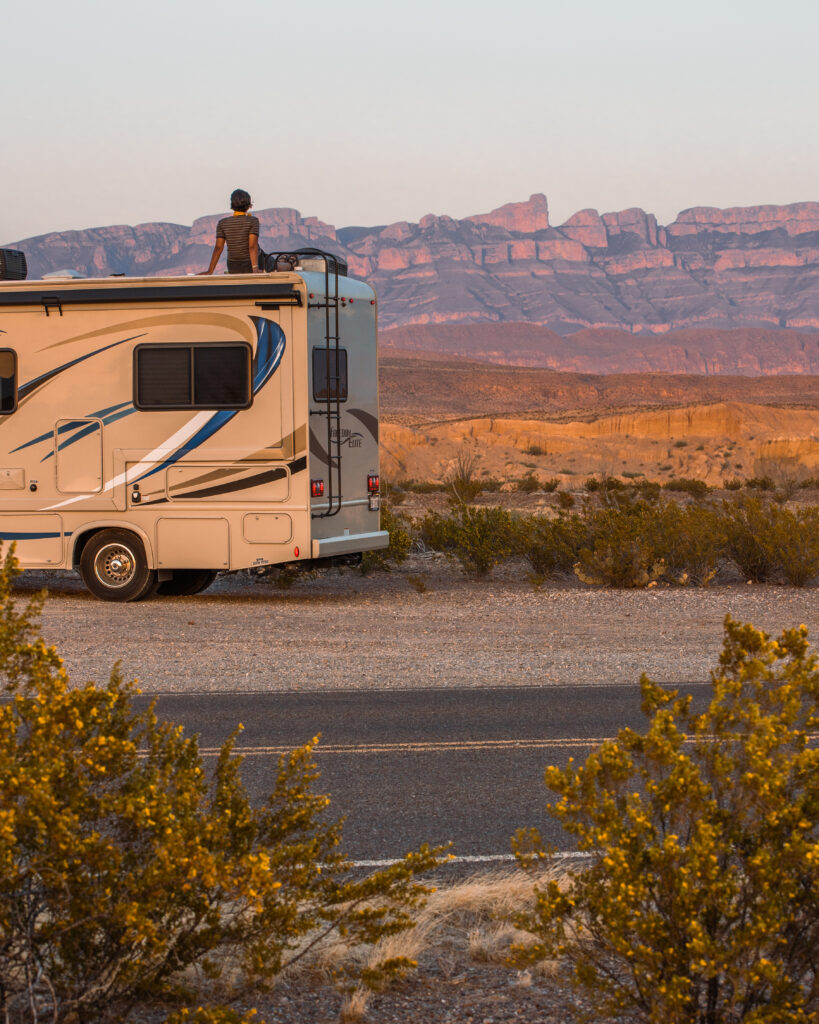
[601,279]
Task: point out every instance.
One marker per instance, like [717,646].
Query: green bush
[621,551]
[687,485]
[699,901]
[550,545]
[528,484]
[491,485]
[400,543]
[746,522]
[790,543]
[123,861]
[479,537]
[688,541]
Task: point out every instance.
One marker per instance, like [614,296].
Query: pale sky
[368,112]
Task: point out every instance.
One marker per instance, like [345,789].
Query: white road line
[414,748]
[448,746]
[488,858]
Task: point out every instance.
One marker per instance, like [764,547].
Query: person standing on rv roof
[241,232]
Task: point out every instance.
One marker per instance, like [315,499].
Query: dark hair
[240,200]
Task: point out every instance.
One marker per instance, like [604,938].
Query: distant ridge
[746,267]
[745,351]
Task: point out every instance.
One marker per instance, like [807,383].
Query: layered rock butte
[751,267]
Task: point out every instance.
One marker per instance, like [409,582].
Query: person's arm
[217,252]
[253,246]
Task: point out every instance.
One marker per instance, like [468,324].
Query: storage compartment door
[78,450]
[38,538]
[192,543]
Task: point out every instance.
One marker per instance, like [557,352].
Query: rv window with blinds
[192,376]
[8,380]
[329,374]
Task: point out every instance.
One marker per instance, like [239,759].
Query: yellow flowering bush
[699,899]
[122,861]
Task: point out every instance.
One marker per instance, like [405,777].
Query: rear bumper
[350,543]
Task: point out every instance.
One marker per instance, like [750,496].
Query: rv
[156,431]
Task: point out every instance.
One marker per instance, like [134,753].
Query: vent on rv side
[13,266]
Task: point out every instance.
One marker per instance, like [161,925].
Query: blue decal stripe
[25,389]
[118,416]
[269,351]
[72,440]
[28,536]
[73,425]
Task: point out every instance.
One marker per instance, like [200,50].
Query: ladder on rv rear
[332,404]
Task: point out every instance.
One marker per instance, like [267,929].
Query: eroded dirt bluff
[512,421]
[742,267]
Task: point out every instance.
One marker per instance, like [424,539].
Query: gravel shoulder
[425,625]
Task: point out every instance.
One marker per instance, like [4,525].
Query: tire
[186,582]
[113,567]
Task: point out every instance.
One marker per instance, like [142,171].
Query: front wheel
[113,566]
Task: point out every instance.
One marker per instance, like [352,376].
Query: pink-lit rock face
[586,227]
[526,218]
[635,222]
[795,219]
[715,269]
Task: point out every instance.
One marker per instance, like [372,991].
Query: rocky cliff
[744,267]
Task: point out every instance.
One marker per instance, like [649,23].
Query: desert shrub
[732,484]
[424,486]
[620,550]
[648,490]
[680,444]
[550,545]
[688,485]
[746,521]
[604,484]
[565,500]
[479,537]
[760,483]
[790,543]
[461,479]
[491,485]
[213,1015]
[400,543]
[535,449]
[688,540]
[123,861]
[699,901]
[528,484]
[550,484]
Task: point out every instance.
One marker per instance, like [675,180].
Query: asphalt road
[441,765]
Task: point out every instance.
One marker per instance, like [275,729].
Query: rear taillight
[317,488]
[373,483]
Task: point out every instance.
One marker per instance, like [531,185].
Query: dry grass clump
[467,920]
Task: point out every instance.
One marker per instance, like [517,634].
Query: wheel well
[86,535]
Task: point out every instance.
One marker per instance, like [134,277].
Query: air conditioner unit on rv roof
[13,266]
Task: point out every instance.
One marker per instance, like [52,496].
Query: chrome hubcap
[115,565]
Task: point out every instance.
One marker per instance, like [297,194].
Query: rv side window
[329,374]
[192,376]
[8,380]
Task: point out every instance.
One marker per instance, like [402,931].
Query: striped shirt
[236,232]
